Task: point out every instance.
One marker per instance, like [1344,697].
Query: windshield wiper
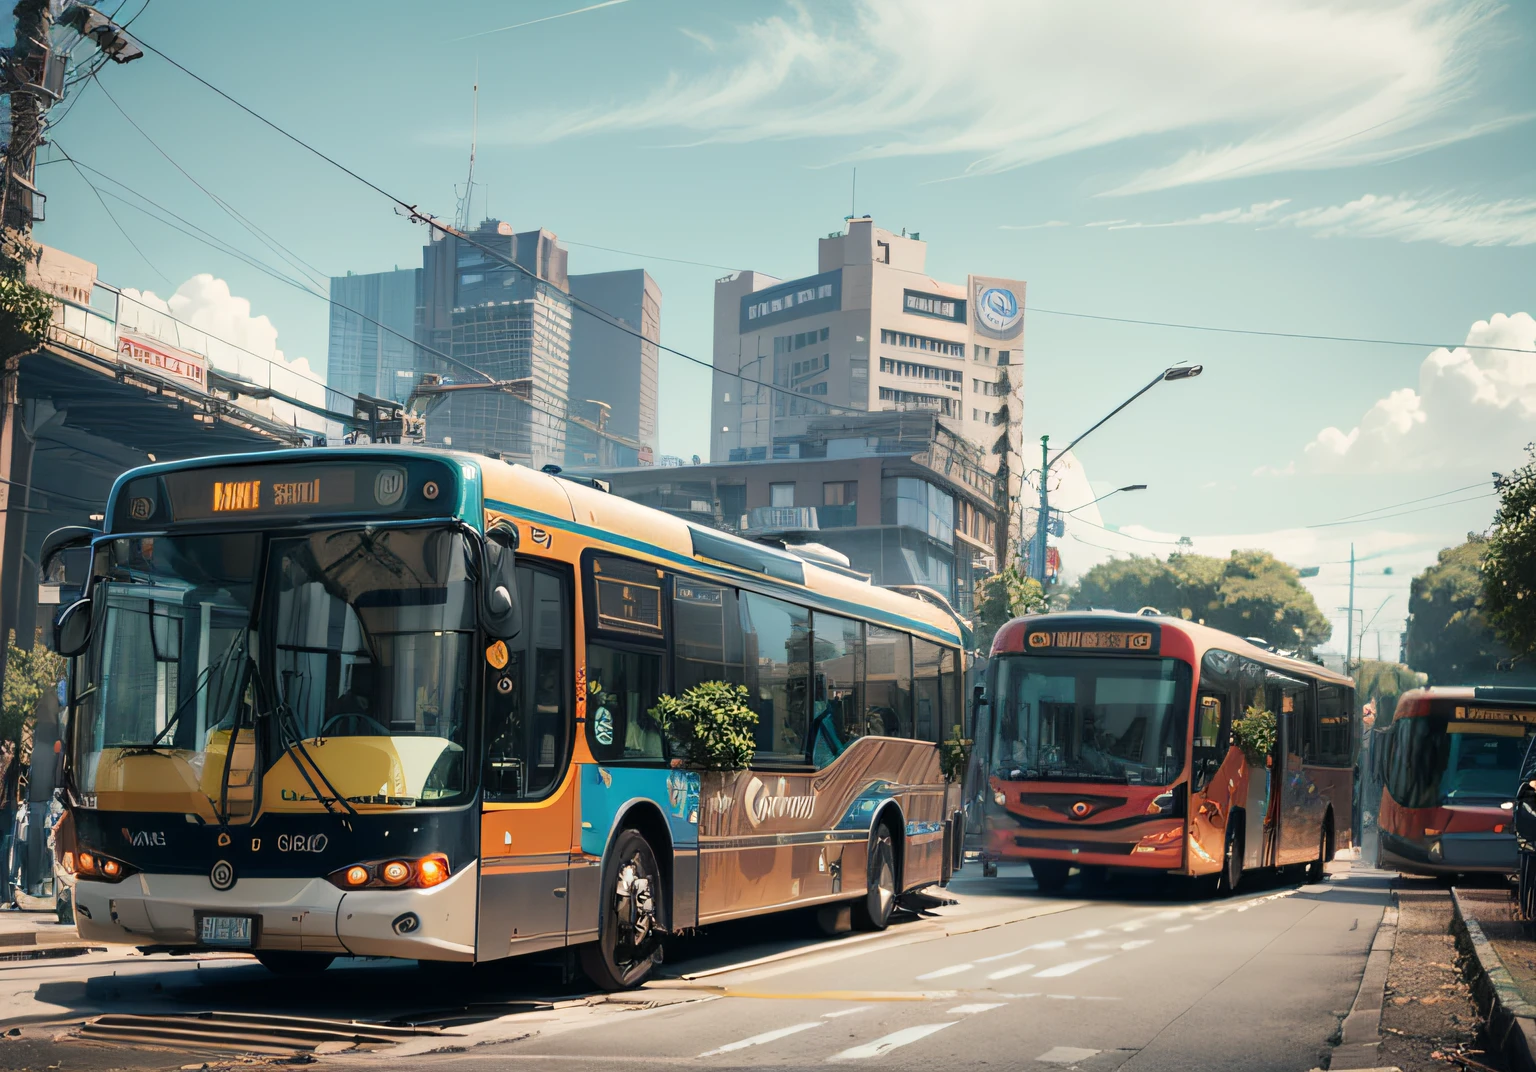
[236,644]
[291,737]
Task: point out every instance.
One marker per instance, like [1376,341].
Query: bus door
[1301,806]
[1260,806]
[527,828]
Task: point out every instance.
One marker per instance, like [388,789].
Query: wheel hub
[635,908]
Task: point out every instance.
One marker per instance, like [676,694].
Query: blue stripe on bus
[822,600]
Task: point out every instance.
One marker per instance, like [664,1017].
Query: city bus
[396,702]
[1450,767]
[1109,748]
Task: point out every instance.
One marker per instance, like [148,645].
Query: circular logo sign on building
[998,309]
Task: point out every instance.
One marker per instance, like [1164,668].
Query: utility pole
[1349,630]
[1042,519]
[29,100]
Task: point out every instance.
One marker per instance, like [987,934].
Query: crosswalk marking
[766,1036]
[970,1010]
[1068,968]
[887,1043]
[1137,944]
[1065,1055]
[1017,969]
[939,973]
[1176,930]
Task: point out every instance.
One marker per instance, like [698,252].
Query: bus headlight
[999,798]
[428,871]
[92,865]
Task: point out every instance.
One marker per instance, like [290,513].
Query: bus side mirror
[72,629]
[499,612]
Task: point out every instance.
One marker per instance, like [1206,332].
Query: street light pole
[1037,553]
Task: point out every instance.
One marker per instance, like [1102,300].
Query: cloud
[704,39]
[1443,218]
[1251,88]
[1473,408]
[1032,226]
[1288,469]
[235,342]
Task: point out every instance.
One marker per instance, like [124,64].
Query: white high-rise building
[870,331]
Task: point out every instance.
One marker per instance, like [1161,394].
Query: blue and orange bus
[395,702]
[1106,744]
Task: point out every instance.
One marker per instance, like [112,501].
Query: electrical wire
[652,256]
[1403,513]
[1410,502]
[122,230]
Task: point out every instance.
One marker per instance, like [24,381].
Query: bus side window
[1333,727]
[622,687]
[1210,733]
[926,691]
[777,642]
[527,701]
[837,694]
[889,689]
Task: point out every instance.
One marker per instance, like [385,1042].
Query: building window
[916,400]
[917,504]
[781,494]
[922,342]
[982,354]
[1002,357]
[914,370]
[840,493]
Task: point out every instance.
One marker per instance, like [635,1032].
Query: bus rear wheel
[291,963]
[630,930]
[1317,870]
[872,912]
[1231,859]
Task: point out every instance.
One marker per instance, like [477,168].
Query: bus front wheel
[872,912]
[292,963]
[1232,858]
[630,930]
[1050,875]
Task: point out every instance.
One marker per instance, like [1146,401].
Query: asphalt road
[1257,981]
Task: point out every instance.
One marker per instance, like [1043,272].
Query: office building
[871,331]
[900,495]
[614,373]
[375,321]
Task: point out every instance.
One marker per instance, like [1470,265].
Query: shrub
[710,724]
[1255,733]
[954,756]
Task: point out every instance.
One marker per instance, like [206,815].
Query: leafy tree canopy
[1449,635]
[1383,682]
[1509,560]
[1251,593]
[1002,597]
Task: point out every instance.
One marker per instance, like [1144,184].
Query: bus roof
[543,499]
[1201,638]
[1437,699]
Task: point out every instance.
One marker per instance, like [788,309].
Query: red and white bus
[1105,743]
[1450,766]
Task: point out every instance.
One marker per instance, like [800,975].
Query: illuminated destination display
[1093,640]
[382,487]
[1496,714]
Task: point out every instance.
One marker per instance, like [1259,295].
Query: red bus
[1106,743]
[1449,770]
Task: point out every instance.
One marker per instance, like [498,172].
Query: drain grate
[244,1032]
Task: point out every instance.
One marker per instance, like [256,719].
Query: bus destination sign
[1496,714]
[1141,642]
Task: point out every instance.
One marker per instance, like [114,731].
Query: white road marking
[1132,925]
[758,1040]
[1095,933]
[1137,944]
[1061,997]
[1176,930]
[1056,944]
[953,969]
[1017,969]
[969,1010]
[1068,968]
[1065,1055]
[835,1013]
[887,1043]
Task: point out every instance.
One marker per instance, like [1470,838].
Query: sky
[1352,169]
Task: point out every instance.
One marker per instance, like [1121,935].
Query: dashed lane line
[939,973]
[835,1013]
[766,1036]
[1068,968]
[886,1043]
[1007,973]
[1176,930]
[971,1010]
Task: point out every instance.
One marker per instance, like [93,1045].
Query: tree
[1250,593]
[1509,560]
[1449,636]
[1383,682]
[1002,597]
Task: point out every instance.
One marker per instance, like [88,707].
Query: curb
[1511,1019]
[1360,1034]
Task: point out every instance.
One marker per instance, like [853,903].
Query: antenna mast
[466,201]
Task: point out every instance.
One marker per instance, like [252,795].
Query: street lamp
[1037,557]
[1107,494]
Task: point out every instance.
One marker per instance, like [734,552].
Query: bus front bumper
[1449,854]
[296,914]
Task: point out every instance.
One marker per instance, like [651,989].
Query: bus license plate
[226,930]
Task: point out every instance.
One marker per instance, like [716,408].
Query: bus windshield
[1436,761]
[358,653]
[1090,718]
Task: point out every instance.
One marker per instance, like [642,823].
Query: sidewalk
[1501,964]
[29,930]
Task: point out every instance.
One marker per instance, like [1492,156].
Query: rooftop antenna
[466,202]
[853,201]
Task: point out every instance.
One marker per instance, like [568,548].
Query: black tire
[1527,887]
[291,963]
[1317,870]
[1231,859]
[957,846]
[1050,875]
[631,926]
[872,912]
[947,865]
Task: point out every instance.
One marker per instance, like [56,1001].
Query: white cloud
[1284,85]
[1449,220]
[1474,408]
[234,341]
[1032,226]
[1288,469]
[708,42]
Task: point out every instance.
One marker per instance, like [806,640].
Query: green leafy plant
[710,724]
[1509,560]
[1002,597]
[1255,733]
[28,675]
[955,755]
[25,311]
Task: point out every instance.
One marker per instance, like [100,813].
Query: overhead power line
[1403,513]
[1410,502]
